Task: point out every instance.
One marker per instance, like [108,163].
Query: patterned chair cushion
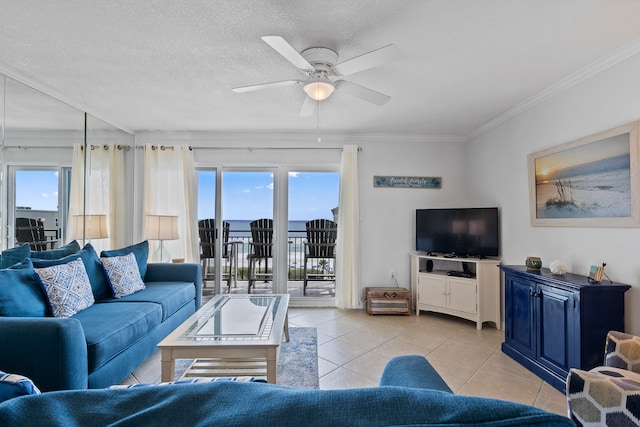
[67,287]
[12,385]
[604,396]
[623,351]
[123,274]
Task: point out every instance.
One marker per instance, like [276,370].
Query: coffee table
[231,335]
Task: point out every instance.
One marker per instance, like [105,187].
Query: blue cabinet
[554,323]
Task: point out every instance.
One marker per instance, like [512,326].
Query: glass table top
[235,317]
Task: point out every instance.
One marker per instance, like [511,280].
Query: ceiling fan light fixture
[319,89]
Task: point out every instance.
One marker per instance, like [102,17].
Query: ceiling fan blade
[261,86]
[362,92]
[281,46]
[308,108]
[368,60]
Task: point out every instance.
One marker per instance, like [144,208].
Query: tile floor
[353,348]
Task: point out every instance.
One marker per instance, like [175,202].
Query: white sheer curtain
[104,193]
[348,242]
[170,189]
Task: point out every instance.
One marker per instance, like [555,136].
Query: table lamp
[161,227]
[89,227]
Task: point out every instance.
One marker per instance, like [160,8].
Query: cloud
[45,195]
[294,174]
[246,190]
[270,186]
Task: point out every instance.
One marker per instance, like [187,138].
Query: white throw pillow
[67,287]
[123,274]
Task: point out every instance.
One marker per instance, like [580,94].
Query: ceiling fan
[324,73]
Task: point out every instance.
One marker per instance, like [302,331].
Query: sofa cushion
[171,296]
[92,265]
[67,287]
[123,274]
[21,294]
[68,249]
[140,251]
[12,385]
[110,328]
[15,255]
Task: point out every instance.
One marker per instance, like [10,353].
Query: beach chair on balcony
[208,236]
[320,246]
[31,231]
[260,248]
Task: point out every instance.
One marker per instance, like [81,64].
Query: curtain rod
[191,147]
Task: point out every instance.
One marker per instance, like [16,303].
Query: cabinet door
[556,328]
[519,314]
[462,295]
[432,290]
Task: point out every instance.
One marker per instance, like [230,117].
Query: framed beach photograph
[590,182]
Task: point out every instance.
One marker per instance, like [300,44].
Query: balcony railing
[295,257]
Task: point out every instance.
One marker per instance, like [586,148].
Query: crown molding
[585,73]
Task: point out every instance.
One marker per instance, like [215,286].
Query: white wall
[497,165]
[387,232]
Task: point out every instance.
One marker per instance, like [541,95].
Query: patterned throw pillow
[12,385]
[123,274]
[67,287]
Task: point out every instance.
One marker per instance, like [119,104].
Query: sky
[246,195]
[249,195]
[37,189]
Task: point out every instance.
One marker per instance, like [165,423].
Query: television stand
[465,287]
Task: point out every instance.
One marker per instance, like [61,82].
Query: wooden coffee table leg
[168,366]
[272,365]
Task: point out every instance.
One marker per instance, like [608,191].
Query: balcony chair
[31,231]
[260,248]
[610,394]
[207,232]
[320,244]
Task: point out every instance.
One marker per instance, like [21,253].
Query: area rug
[297,363]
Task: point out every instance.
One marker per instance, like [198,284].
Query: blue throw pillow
[15,255]
[12,385]
[140,251]
[68,249]
[93,266]
[20,292]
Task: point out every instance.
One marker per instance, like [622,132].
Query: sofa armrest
[52,352]
[622,350]
[179,272]
[412,371]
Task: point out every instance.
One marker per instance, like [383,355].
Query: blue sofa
[410,393]
[100,345]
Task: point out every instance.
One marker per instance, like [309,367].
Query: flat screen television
[458,231]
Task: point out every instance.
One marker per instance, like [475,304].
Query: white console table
[476,298]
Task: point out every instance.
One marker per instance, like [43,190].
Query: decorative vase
[533,263]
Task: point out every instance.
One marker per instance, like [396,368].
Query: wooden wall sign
[407,181]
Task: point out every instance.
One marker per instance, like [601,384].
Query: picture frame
[595,273]
[589,182]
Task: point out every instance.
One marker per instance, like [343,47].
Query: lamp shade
[319,89]
[94,226]
[161,227]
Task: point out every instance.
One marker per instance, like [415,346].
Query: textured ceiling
[170,65]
